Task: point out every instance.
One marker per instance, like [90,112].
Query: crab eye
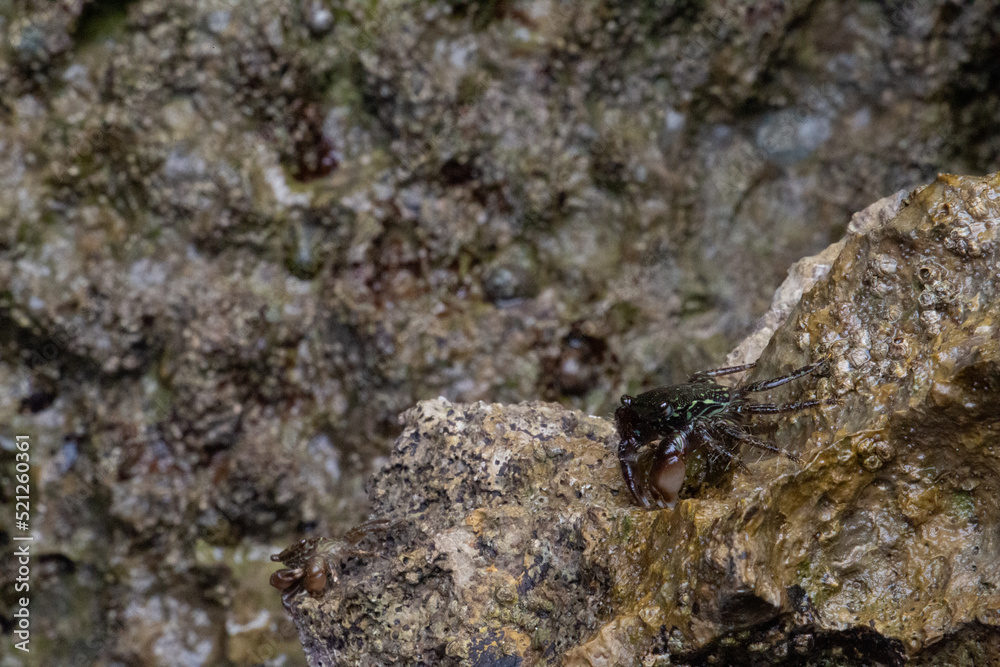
[667,409]
[626,400]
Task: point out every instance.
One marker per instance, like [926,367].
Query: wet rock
[880,545]
[519,545]
[241,237]
[804,273]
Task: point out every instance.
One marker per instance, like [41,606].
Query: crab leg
[772,409]
[706,434]
[628,458]
[720,371]
[737,433]
[764,385]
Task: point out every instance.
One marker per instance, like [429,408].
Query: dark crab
[659,427]
[314,561]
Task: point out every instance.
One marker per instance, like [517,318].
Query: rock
[804,274]
[239,238]
[500,553]
[519,546]
[879,547]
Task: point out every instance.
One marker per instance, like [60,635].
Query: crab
[313,562]
[658,428]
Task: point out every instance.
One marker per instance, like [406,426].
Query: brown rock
[501,550]
[520,547]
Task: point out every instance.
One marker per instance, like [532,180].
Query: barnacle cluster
[968,221]
[873,451]
[917,290]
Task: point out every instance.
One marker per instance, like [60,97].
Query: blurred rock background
[237,239]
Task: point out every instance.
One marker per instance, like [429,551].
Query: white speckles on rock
[275,177]
[319,18]
[218,21]
[146,274]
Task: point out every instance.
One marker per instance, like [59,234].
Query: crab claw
[655,476]
[665,476]
[282,579]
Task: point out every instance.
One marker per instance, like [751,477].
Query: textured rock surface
[238,238]
[881,546]
[503,551]
[803,275]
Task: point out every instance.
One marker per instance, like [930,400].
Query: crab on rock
[656,428]
[312,562]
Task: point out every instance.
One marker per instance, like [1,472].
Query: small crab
[656,427]
[312,562]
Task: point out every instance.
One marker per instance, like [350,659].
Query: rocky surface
[518,545]
[499,550]
[887,530]
[237,239]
